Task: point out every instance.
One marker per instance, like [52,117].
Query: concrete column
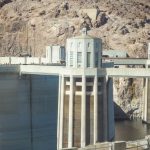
[105,108]
[145,94]
[70,126]
[110,110]
[95,109]
[146,113]
[49,54]
[144,117]
[61,113]
[83,113]
[58,116]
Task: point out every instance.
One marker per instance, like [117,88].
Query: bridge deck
[112,72]
[129,61]
[58,70]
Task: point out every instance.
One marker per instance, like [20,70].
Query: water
[131,130]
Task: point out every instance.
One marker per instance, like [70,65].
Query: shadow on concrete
[119,113]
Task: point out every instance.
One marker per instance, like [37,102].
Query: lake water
[131,130]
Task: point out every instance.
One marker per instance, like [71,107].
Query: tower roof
[84,35]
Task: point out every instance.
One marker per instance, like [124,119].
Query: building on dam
[85,109]
[71,109]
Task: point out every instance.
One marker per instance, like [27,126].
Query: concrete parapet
[139,145]
[103,146]
[33,60]
[99,146]
[23,60]
[44,60]
[147,138]
[4,60]
[119,145]
[72,148]
[143,144]
[17,60]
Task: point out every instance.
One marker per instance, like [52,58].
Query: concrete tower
[83,51]
[55,54]
[84,109]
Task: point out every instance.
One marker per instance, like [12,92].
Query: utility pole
[34,41]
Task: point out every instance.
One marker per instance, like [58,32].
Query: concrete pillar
[146,110]
[83,113]
[110,110]
[49,53]
[61,113]
[144,117]
[105,108]
[145,97]
[119,145]
[95,109]
[58,116]
[70,127]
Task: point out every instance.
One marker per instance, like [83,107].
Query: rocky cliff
[27,26]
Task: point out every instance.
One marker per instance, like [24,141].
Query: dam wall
[28,112]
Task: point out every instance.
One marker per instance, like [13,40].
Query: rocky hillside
[30,25]
[27,26]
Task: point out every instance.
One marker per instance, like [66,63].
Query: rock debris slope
[27,26]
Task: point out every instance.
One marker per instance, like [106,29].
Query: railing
[133,145]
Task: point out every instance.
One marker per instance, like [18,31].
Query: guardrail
[122,145]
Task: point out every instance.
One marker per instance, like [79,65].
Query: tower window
[96,59]
[88,59]
[71,58]
[79,58]
[88,45]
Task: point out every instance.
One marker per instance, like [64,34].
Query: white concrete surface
[83,51]
[95,109]
[4,60]
[55,54]
[83,113]
[61,101]
[70,128]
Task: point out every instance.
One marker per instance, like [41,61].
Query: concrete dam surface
[28,112]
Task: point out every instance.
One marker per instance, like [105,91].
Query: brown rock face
[28,26]
[116,23]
